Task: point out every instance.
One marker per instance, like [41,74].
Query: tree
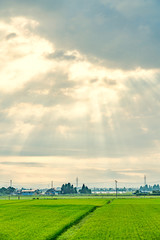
[68,189]
[85,190]
[7,191]
[137,192]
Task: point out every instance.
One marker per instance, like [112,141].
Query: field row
[41,219]
[73,219]
[122,219]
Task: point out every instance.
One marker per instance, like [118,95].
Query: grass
[69,196]
[121,219]
[80,219]
[41,219]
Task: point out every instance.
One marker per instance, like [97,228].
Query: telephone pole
[76,182]
[10,183]
[145,181]
[116,187]
[51,184]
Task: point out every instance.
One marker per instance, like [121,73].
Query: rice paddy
[75,219]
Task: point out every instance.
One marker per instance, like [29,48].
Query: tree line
[70,189]
[67,188]
[7,191]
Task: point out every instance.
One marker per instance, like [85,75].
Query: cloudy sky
[79,92]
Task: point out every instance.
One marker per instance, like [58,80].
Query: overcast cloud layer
[79,90]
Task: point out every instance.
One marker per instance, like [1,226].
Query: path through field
[121,219]
[42,219]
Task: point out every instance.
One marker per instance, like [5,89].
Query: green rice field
[73,219]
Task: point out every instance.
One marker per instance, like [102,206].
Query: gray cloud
[61,55]
[25,164]
[55,83]
[135,123]
[117,33]
[11,36]
[42,118]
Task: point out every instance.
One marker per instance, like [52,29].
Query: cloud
[18,53]
[62,55]
[89,92]
[27,164]
[79,106]
[115,32]
[11,36]
[101,172]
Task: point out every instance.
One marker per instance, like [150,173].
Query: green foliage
[134,218]
[68,189]
[7,191]
[85,190]
[39,219]
[156,192]
[121,219]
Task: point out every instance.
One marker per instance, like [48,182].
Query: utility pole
[51,184]
[77,182]
[10,183]
[116,187]
[10,186]
[145,182]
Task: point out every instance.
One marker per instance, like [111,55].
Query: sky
[79,92]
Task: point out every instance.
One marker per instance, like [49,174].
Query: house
[29,192]
[50,192]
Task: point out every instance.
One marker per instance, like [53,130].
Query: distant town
[68,188]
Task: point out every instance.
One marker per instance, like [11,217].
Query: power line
[78,183]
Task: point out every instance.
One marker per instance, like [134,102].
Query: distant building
[50,192]
[28,192]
